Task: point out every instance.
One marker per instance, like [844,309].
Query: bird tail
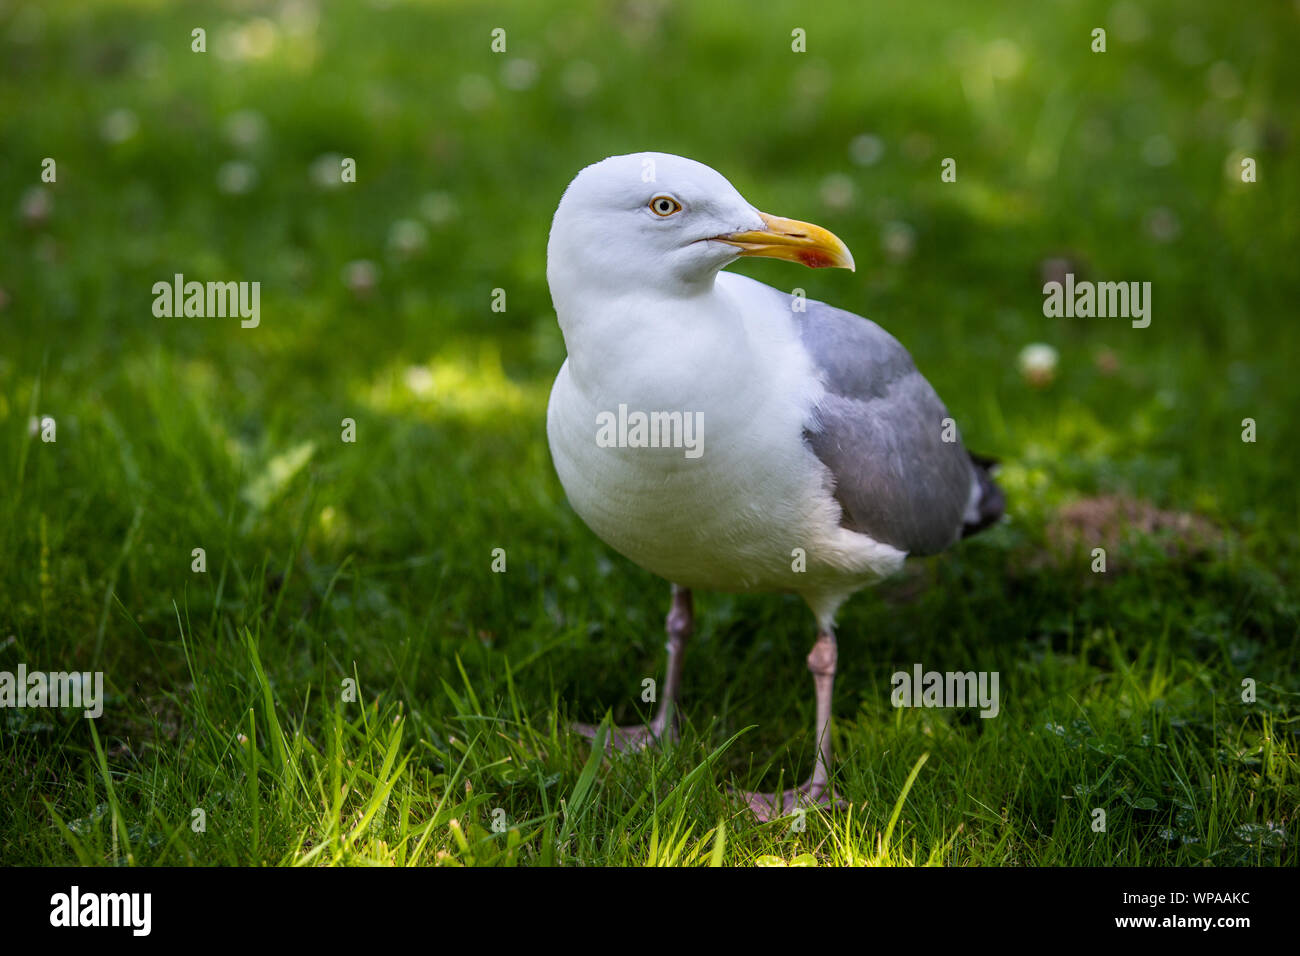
[991,502]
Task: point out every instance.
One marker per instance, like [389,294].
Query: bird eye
[665,205]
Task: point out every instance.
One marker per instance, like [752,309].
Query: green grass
[372,561]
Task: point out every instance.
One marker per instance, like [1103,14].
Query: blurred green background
[373,558]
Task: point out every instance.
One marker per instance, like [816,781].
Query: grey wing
[880,431]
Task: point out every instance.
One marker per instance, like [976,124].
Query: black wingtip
[992,503]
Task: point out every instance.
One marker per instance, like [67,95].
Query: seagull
[725,435]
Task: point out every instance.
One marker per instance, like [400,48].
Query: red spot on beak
[814,258]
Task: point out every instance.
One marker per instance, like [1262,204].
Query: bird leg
[817,790]
[680,623]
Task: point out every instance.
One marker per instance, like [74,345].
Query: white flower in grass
[1158,150]
[327,170]
[419,379]
[252,40]
[245,128]
[407,238]
[837,191]
[518,74]
[1222,80]
[118,126]
[1162,224]
[236,177]
[579,80]
[898,239]
[438,208]
[299,18]
[1037,363]
[35,206]
[475,92]
[866,150]
[361,276]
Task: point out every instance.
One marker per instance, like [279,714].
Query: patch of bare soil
[1115,522]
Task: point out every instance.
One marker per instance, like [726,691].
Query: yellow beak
[792,240]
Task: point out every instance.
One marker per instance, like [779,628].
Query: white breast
[738,516]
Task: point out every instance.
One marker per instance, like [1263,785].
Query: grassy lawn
[371,561]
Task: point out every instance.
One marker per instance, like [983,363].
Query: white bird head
[663,223]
